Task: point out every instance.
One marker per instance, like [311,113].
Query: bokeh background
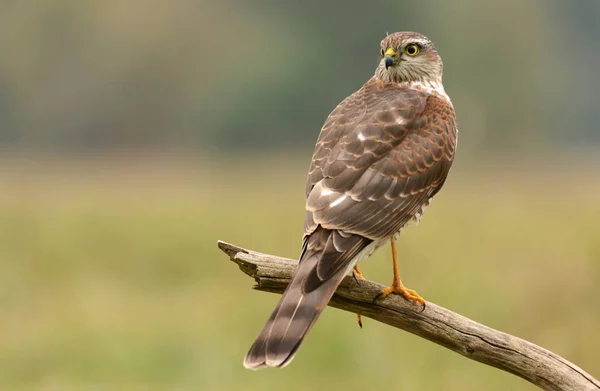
[134,134]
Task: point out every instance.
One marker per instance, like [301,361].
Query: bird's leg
[397,285]
[357,274]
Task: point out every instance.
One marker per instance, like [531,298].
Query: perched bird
[382,154]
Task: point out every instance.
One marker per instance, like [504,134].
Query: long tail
[326,259]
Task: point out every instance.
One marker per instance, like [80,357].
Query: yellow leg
[357,274]
[397,285]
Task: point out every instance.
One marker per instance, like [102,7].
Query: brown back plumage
[381,155]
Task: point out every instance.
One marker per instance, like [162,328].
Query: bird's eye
[382,53]
[412,49]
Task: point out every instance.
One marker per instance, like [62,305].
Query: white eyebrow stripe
[419,41]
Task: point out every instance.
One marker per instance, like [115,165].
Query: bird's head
[407,57]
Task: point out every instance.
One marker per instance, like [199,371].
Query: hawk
[382,155]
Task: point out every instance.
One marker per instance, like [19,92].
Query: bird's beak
[389,59]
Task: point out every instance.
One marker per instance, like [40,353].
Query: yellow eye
[382,53]
[412,49]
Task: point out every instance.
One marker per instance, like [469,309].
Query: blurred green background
[134,134]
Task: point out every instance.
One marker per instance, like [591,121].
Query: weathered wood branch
[437,324]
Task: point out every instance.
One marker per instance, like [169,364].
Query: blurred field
[111,278]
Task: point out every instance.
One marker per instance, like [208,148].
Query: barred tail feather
[299,308]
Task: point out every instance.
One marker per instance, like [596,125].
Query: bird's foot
[400,289]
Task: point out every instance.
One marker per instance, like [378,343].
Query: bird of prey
[381,156]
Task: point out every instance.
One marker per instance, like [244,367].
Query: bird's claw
[408,294]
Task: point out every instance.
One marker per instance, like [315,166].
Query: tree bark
[437,324]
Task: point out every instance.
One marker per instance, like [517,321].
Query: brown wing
[382,154]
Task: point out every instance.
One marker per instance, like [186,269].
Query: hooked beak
[389,59]
[389,62]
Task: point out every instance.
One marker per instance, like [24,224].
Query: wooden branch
[451,330]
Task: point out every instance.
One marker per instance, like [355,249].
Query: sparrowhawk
[382,155]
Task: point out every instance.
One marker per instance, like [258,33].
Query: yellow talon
[397,285]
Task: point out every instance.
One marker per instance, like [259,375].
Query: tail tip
[255,363]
